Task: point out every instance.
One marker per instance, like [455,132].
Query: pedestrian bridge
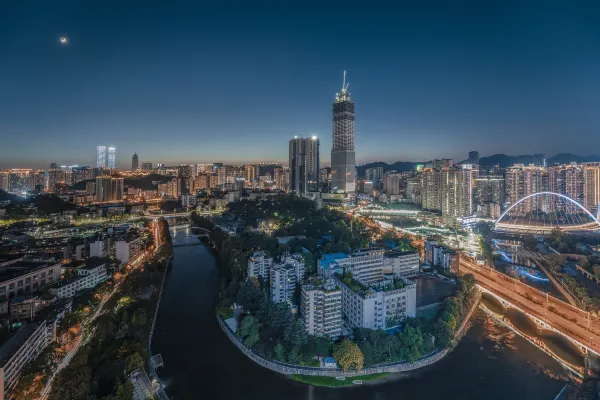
[188,229]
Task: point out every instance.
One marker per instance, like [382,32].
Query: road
[567,319]
[67,359]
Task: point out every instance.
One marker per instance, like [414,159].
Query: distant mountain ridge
[502,160]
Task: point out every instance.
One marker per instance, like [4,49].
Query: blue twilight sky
[233,81]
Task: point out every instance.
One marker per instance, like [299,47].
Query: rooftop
[327,259]
[93,262]
[21,268]
[15,342]
[394,254]
[67,281]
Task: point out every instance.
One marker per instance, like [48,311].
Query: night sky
[234,81]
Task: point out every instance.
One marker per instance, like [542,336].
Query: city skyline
[458,80]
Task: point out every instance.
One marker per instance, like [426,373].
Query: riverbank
[373,373]
[118,343]
[490,361]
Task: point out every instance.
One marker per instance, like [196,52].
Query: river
[491,362]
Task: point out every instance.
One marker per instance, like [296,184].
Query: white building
[284,276]
[128,247]
[97,248]
[22,347]
[95,269]
[321,308]
[88,277]
[405,263]
[379,305]
[259,265]
[365,265]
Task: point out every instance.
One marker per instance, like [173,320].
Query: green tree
[139,318]
[367,351]
[584,263]
[124,391]
[279,352]
[72,383]
[411,344]
[348,355]
[250,296]
[134,361]
[249,331]
[295,334]
[443,334]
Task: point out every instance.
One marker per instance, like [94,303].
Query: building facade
[321,308]
[304,164]
[343,170]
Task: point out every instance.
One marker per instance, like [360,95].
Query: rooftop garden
[352,284]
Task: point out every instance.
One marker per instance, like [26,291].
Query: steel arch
[594,219]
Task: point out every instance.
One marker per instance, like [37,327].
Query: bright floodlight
[64,40]
[314,137]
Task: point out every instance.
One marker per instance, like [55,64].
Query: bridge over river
[546,311]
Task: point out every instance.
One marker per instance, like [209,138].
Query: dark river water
[491,362]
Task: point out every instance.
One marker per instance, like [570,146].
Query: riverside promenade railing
[289,369]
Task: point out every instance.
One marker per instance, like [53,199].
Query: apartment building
[284,275]
[401,263]
[127,247]
[259,265]
[380,305]
[321,307]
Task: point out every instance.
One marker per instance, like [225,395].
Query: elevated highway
[546,311]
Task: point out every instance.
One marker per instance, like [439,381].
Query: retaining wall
[289,369]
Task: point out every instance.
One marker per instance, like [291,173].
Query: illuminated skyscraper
[135,161]
[112,158]
[101,156]
[591,197]
[304,164]
[342,153]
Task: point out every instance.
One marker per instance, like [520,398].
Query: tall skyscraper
[343,177]
[101,157]
[591,198]
[146,166]
[111,161]
[430,189]
[135,161]
[456,192]
[304,164]
[109,189]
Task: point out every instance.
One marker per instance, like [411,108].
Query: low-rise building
[401,263]
[95,269]
[259,265]
[379,305]
[23,277]
[22,347]
[321,307]
[88,276]
[28,307]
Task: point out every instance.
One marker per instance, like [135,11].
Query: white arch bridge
[542,212]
